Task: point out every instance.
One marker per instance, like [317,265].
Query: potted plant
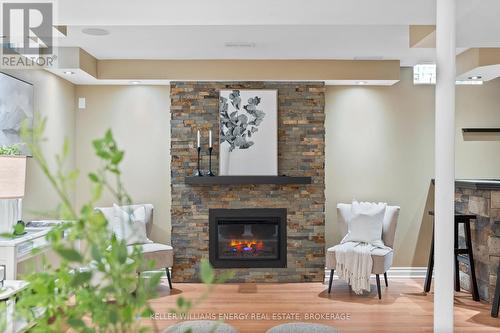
[95,286]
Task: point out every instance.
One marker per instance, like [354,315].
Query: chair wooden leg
[378,286]
[385,278]
[168,277]
[330,281]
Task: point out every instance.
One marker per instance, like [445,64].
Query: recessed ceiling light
[239,44]
[135,82]
[475,77]
[69,72]
[95,31]
[361,83]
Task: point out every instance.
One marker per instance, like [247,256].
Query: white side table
[8,295]
[15,250]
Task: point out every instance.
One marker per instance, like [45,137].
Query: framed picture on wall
[16,107]
[248,135]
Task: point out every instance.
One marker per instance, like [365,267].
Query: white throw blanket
[354,264]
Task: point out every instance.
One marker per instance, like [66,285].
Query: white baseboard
[394,272]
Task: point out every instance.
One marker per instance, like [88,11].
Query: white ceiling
[271,42]
[249,12]
[279,29]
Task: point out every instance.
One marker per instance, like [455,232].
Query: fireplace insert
[246,238]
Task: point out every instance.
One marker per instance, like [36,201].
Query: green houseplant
[10,150]
[90,290]
[95,288]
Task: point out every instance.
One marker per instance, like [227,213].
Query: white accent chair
[162,255]
[382,258]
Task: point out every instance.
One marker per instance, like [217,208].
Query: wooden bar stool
[496,298]
[461,254]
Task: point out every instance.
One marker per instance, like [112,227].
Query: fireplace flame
[246,245]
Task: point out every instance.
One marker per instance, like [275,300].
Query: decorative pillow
[366,223]
[130,225]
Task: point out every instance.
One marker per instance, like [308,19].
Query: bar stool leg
[496,298]
[430,265]
[468,242]
[457,267]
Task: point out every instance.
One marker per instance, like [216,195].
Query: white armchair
[382,258]
[161,254]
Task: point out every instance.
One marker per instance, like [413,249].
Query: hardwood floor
[403,308]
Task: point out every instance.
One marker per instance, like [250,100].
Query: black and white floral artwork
[248,132]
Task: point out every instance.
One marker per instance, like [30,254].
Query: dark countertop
[479,184]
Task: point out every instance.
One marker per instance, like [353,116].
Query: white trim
[393,272]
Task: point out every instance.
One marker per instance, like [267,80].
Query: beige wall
[139,117]
[478,107]
[54,98]
[380,147]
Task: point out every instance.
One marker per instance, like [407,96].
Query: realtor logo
[27,28]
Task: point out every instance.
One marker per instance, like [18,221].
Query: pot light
[475,77]
[361,83]
[135,82]
[95,31]
[69,72]
[239,44]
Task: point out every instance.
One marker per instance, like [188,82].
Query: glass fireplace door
[248,240]
[247,237]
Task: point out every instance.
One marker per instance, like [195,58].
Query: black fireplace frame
[250,214]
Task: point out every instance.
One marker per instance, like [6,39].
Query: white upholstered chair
[161,254]
[382,258]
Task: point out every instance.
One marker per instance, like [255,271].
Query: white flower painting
[248,132]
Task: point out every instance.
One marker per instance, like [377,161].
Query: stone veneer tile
[479,205]
[301,145]
[495,199]
[494,245]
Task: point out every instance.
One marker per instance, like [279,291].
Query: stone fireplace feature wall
[485,234]
[301,152]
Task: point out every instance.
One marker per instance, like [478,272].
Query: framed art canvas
[16,107]
[248,133]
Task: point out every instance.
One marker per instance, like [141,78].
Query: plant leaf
[206,272]
[69,254]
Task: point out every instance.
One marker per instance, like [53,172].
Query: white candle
[198,138]
[210,139]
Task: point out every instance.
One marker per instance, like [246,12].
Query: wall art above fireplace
[248,121]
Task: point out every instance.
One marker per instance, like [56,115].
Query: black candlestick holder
[210,173]
[198,171]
